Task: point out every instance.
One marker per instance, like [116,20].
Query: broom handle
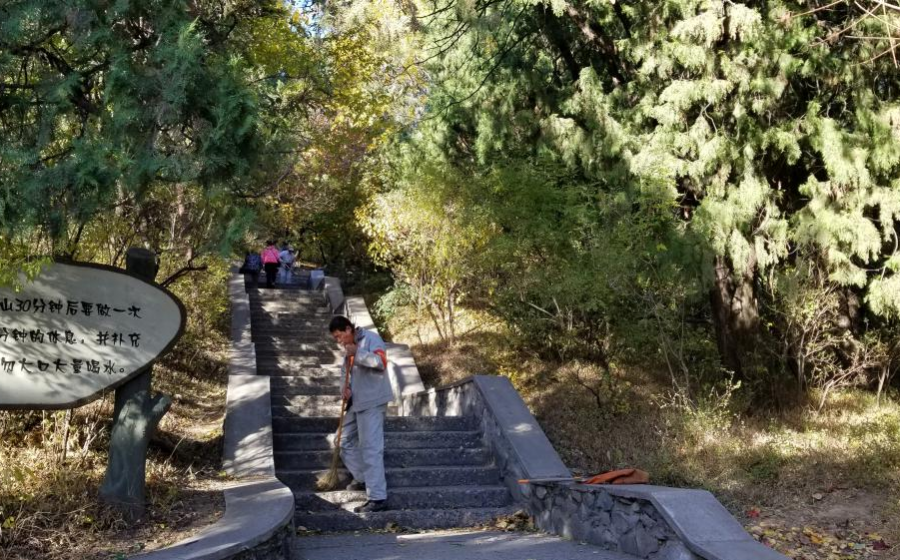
[340,429]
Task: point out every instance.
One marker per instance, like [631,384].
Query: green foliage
[623,161]
[143,122]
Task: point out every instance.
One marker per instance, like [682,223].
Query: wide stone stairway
[439,473]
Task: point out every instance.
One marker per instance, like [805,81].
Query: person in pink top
[270,263]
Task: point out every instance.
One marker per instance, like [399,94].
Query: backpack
[270,255]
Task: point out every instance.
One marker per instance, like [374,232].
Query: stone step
[317,338]
[273,292]
[425,497]
[317,410]
[262,331]
[392,440]
[295,284]
[312,389]
[273,365]
[289,320]
[300,480]
[294,424]
[307,374]
[343,521]
[311,410]
[276,329]
[392,458]
[314,378]
[300,296]
[286,353]
[321,344]
[274,368]
[289,302]
[292,299]
[296,316]
[297,324]
[307,402]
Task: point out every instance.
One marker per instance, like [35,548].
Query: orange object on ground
[621,476]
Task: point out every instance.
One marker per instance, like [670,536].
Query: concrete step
[298,296]
[277,353]
[315,378]
[304,480]
[314,389]
[274,368]
[341,521]
[316,301]
[322,343]
[317,410]
[392,458]
[392,440]
[287,365]
[297,316]
[307,374]
[295,285]
[306,402]
[295,324]
[278,329]
[288,337]
[310,410]
[292,301]
[425,497]
[264,331]
[305,424]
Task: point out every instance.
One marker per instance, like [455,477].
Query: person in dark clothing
[252,266]
[270,263]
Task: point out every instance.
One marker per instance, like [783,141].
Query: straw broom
[330,480]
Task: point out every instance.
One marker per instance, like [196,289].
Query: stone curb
[259,513]
[258,524]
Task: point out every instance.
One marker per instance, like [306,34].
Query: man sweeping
[367,396]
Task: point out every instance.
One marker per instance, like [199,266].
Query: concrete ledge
[248,427]
[240,307]
[255,513]
[334,295]
[405,378]
[259,514]
[355,309]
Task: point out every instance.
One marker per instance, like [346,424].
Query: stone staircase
[439,472]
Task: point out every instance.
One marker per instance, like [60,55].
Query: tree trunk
[135,418]
[735,314]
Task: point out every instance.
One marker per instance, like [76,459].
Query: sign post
[80,330]
[135,418]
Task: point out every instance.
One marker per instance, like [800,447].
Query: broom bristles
[331,479]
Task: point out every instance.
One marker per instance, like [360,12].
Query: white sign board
[79,330]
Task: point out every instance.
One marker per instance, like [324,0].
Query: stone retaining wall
[591,514]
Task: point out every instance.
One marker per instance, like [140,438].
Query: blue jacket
[369,381]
